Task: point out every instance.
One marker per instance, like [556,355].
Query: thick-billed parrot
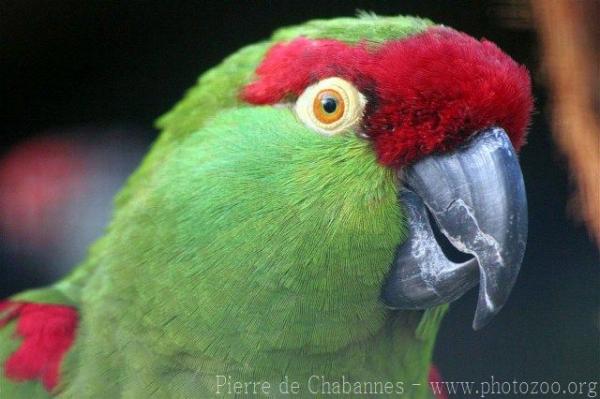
[294,223]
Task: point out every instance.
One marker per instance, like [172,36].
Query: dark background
[67,64]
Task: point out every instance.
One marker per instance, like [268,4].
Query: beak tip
[487,308]
[478,325]
[483,317]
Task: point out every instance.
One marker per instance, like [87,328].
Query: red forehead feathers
[288,68]
[426,93]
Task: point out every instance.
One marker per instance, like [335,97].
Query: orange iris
[328,106]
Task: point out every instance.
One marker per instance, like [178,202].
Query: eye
[330,106]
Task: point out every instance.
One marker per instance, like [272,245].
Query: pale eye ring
[330,106]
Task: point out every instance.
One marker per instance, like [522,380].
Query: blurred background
[82,82]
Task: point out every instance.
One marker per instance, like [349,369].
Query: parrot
[301,224]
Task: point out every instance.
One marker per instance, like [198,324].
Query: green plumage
[245,245]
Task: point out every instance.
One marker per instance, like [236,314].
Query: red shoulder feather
[47,332]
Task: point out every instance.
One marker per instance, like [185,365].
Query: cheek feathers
[427,93]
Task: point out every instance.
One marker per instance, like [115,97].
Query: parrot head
[313,184]
[445,113]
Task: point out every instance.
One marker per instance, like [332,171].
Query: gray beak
[476,197]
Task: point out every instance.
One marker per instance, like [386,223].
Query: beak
[476,197]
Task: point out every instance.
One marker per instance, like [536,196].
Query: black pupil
[329,104]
